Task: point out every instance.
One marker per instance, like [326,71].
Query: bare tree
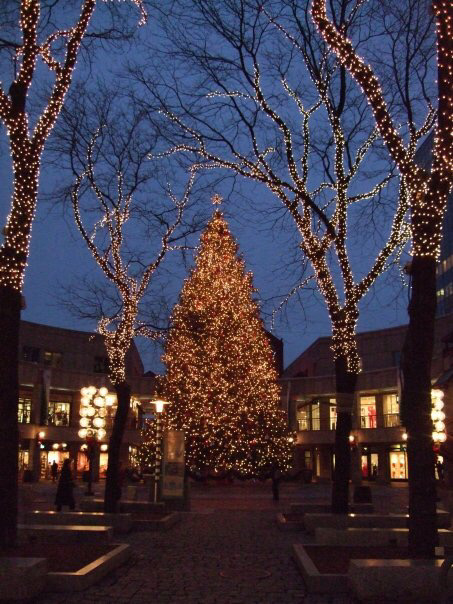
[31,38]
[427,188]
[126,225]
[265,100]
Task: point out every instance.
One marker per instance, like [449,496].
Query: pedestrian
[65,488]
[54,470]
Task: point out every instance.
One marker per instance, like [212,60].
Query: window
[332,414]
[101,365]
[30,353]
[367,412]
[391,410]
[24,411]
[396,358]
[58,413]
[309,416]
[52,359]
[316,416]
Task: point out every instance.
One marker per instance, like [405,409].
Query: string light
[427,191]
[221,376]
[27,146]
[119,331]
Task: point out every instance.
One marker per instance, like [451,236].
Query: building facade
[378,444]
[54,365]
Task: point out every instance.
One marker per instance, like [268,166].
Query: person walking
[65,488]
[54,471]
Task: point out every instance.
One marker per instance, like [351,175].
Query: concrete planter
[316,582]
[44,533]
[121,523]
[125,506]
[289,525]
[90,574]
[156,524]
[373,536]
[343,521]
[376,581]
[325,508]
[22,578]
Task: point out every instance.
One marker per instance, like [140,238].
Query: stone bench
[127,506]
[373,581]
[344,521]
[121,523]
[373,536]
[325,508]
[44,533]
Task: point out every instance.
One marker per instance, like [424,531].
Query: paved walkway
[228,550]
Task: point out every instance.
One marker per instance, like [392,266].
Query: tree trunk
[416,407]
[10,305]
[113,485]
[345,390]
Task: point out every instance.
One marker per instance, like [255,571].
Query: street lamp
[93,411]
[160,405]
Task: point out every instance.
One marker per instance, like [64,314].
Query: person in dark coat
[65,495]
[54,471]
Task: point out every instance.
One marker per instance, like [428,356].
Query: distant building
[277,347]
[444,281]
[54,365]
[379,446]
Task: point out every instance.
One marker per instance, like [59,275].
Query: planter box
[42,533]
[121,523]
[22,578]
[90,574]
[373,581]
[124,506]
[373,536]
[343,521]
[325,508]
[156,524]
[316,582]
[289,525]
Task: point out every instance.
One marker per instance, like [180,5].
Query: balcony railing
[316,423]
[368,421]
[391,420]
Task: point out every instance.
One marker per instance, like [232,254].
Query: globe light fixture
[93,403]
[438,416]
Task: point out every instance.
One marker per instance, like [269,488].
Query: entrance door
[369,466]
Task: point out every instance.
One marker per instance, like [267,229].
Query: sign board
[173,465]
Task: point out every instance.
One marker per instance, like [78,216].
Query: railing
[315,424]
[368,421]
[391,420]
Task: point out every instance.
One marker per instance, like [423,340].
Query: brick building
[54,365]
[379,447]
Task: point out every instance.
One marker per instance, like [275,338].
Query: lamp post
[93,411]
[160,405]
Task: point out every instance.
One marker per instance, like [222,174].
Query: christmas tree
[221,378]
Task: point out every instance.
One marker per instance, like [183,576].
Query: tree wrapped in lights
[274,107]
[221,377]
[57,50]
[107,220]
[428,188]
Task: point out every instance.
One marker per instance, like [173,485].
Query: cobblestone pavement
[227,550]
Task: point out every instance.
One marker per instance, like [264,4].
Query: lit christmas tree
[221,378]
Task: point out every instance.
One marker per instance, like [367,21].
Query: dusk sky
[58,256]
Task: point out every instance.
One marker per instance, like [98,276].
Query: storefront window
[367,412]
[24,411]
[58,413]
[308,462]
[303,418]
[333,414]
[391,410]
[398,464]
